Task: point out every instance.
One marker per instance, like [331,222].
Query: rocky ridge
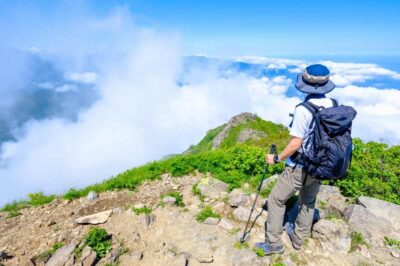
[345,233]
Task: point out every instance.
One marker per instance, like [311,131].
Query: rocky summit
[192,220]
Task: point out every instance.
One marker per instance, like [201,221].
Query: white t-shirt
[302,119]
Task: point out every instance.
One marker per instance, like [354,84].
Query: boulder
[267,182]
[169,200]
[225,224]
[92,195]
[62,255]
[88,257]
[212,188]
[336,205]
[360,220]
[326,192]
[242,214]
[211,221]
[382,209]
[97,218]
[333,236]
[236,197]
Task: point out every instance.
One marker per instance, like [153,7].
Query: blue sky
[226,28]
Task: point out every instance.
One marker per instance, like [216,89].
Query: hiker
[298,174]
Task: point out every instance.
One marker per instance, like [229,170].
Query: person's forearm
[291,148]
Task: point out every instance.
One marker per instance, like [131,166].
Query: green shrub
[178,197]
[357,239]
[205,213]
[39,198]
[392,242]
[144,210]
[99,240]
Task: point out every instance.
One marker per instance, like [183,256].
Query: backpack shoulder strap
[334,102]
[310,107]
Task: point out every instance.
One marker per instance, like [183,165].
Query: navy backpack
[329,142]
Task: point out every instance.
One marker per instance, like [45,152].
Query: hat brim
[306,88]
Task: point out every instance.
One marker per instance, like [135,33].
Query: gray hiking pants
[288,183]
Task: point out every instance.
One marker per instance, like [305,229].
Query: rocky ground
[171,234]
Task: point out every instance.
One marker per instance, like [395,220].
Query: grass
[205,213]
[144,210]
[259,252]
[13,209]
[278,261]
[240,245]
[294,257]
[196,191]
[357,239]
[178,197]
[392,242]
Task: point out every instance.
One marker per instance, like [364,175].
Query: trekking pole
[245,232]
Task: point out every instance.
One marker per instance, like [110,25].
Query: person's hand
[269,158]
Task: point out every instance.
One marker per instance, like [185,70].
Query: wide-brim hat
[315,80]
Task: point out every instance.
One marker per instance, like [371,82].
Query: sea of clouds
[144,99]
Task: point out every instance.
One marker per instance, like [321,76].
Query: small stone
[136,256]
[211,221]
[97,218]
[92,195]
[168,200]
[206,259]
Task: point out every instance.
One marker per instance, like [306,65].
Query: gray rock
[211,221]
[332,235]
[395,252]
[242,214]
[225,224]
[374,229]
[336,205]
[169,200]
[92,195]
[234,121]
[88,257]
[236,197]
[62,255]
[382,209]
[270,180]
[212,188]
[97,218]
[250,134]
[136,256]
[244,257]
[326,192]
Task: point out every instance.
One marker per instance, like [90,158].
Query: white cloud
[85,77]
[344,74]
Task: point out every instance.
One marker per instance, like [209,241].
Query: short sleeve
[300,123]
